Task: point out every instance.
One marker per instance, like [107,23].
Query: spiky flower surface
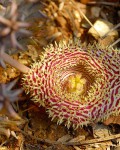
[77,85]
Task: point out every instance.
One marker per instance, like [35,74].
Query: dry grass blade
[92,141]
[84,16]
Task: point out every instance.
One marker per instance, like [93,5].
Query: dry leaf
[64,138]
[78,138]
[100,131]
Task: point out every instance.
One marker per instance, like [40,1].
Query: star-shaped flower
[11,25]
[8,96]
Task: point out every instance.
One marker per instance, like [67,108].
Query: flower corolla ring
[77,84]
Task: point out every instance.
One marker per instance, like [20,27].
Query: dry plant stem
[14,63]
[86,142]
[105,3]
[92,141]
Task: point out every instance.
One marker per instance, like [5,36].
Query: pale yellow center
[75,84]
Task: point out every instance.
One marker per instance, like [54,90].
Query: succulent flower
[76,84]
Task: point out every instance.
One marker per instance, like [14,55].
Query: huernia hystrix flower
[76,84]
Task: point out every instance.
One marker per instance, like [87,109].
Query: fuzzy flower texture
[77,84]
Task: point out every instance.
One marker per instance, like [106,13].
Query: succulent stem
[8,59]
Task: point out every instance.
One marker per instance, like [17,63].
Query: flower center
[78,82]
[75,84]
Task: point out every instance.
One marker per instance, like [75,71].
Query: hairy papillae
[77,84]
